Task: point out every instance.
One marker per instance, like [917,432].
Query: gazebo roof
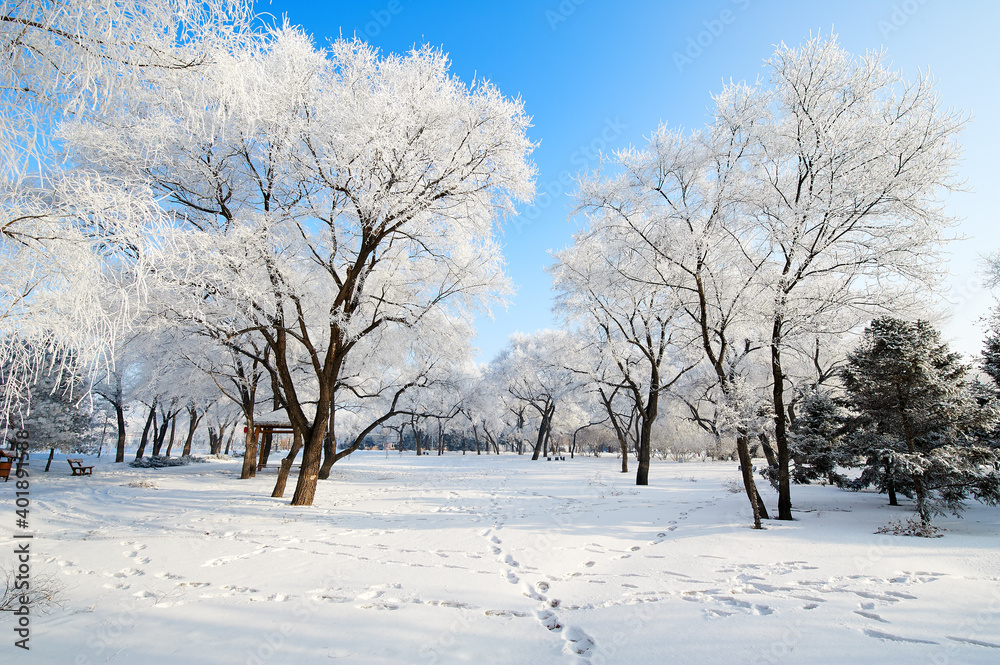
[280,419]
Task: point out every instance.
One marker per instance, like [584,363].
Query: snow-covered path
[496,560]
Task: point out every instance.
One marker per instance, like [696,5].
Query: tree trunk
[542,429]
[52,452]
[192,426]
[286,466]
[648,415]
[160,435]
[746,468]
[249,469]
[642,473]
[268,441]
[312,456]
[120,449]
[145,432]
[173,427]
[329,457]
[329,447]
[215,439]
[780,424]
[890,483]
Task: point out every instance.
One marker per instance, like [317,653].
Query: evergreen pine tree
[916,418]
[816,438]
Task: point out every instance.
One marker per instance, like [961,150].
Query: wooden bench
[6,464]
[79,469]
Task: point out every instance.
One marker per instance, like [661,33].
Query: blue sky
[597,75]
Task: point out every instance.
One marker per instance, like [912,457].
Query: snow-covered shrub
[911,526]
[158,462]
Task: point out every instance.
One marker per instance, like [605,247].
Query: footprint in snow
[577,641]
[871,615]
[879,635]
[548,619]
[128,572]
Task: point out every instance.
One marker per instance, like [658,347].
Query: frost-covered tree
[535,374]
[849,163]
[810,201]
[56,412]
[632,324]
[326,196]
[670,212]
[63,226]
[914,412]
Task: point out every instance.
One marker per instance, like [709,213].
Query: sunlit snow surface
[495,560]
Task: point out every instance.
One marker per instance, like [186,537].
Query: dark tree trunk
[648,416]
[268,441]
[173,427]
[120,449]
[780,423]
[249,469]
[890,483]
[329,446]
[329,457]
[52,452]
[216,438]
[160,435]
[772,460]
[145,432]
[312,455]
[192,426]
[543,429]
[286,466]
[746,468]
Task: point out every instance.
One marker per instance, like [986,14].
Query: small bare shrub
[734,486]
[44,594]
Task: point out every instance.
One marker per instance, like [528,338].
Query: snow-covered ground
[493,560]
